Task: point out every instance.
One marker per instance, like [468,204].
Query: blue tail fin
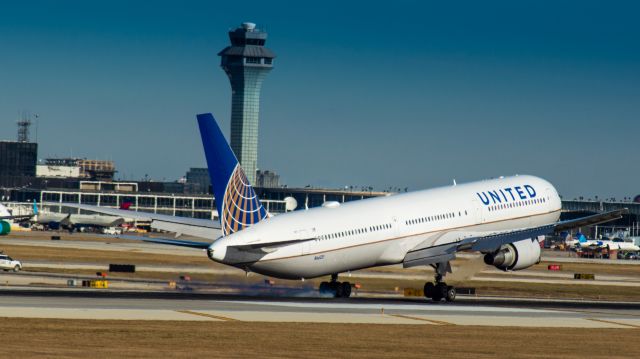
[237,203]
[35,207]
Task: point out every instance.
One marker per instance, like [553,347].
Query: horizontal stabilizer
[268,247]
[170,242]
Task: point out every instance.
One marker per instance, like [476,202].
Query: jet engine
[5,228]
[515,256]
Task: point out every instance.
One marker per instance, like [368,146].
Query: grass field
[38,338]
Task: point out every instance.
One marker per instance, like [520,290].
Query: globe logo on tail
[241,207]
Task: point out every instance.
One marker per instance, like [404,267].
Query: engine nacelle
[515,256]
[5,228]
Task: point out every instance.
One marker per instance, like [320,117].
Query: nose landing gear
[440,290]
[335,289]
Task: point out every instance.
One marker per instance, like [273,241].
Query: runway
[123,305]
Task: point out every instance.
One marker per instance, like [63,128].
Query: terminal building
[198,180]
[17,163]
[268,179]
[98,170]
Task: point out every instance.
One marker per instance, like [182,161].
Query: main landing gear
[440,290]
[335,289]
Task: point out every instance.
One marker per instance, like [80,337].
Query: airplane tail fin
[237,203]
[35,208]
[582,238]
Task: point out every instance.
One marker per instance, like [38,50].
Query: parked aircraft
[7,219]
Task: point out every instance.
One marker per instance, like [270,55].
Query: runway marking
[423,307]
[207,315]
[582,311]
[612,322]
[432,321]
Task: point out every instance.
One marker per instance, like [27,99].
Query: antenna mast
[23,127]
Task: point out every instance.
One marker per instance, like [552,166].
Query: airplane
[581,241]
[7,219]
[610,244]
[78,220]
[620,244]
[501,218]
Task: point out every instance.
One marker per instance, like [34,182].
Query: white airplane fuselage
[79,219]
[380,231]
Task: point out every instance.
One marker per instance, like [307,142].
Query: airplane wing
[424,254]
[18,218]
[202,228]
[591,220]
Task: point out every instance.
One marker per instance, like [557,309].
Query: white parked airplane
[500,217]
[610,244]
[7,219]
[75,220]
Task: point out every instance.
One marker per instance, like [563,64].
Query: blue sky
[405,93]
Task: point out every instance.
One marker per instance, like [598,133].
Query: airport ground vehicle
[112,230]
[628,255]
[7,263]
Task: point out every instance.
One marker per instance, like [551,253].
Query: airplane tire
[346,289]
[338,290]
[439,292]
[325,288]
[451,294]
[428,290]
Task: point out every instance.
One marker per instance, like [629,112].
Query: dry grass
[37,338]
[66,236]
[613,269]
[553,290]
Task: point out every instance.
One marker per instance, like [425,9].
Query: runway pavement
[282,304]
[92,304]
[490,274]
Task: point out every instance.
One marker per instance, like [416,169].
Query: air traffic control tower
[247,63]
